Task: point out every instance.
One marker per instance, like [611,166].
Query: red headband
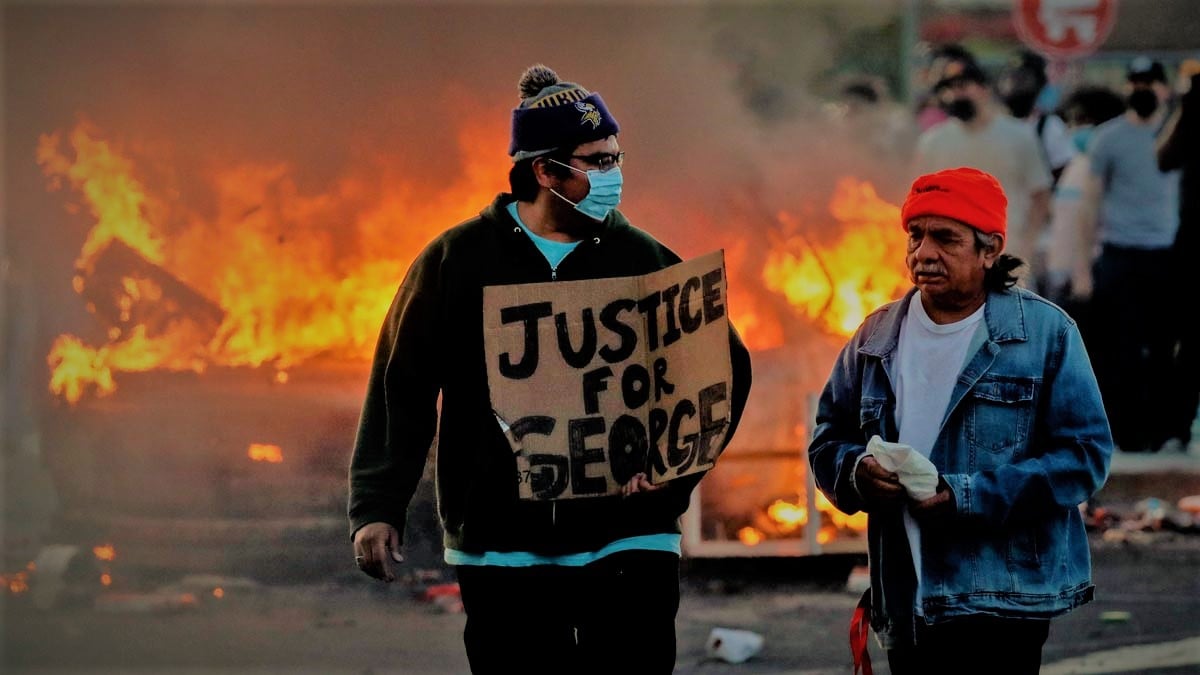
[967,195]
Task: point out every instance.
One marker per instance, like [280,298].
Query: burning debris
[262,281]
[783,519]
[60,575]
[18,582]
[276,278]
[65,575]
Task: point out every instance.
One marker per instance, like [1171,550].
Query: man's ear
[542,172]
[993,250]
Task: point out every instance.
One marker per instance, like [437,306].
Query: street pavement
[1145,618]
[361,628]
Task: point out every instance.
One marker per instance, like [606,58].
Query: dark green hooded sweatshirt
[432,342]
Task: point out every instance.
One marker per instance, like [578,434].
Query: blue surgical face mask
[1081,137]
[602,197]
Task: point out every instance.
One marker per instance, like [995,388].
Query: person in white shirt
[1069,255]
[983,136]
[966,421]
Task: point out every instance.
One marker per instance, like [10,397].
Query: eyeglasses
[604,161]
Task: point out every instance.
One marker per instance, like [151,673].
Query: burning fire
[105,553]
[262,452]
[785,517]
[18,583]
[837,284]
[789,516]
[260,279]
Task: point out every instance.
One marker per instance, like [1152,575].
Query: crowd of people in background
[1103,205]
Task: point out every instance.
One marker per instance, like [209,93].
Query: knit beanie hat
[555,114]
[964,194]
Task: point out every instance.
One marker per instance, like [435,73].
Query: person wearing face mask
[982,135]
[1131,211]
[1021,88]
[1068,257]
[579,586]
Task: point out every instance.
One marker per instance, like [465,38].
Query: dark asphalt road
[800,606]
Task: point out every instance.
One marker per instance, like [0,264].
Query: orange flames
[262,280]
[786,517]
[106,552]
[18,582]
[838,283]
[262,452]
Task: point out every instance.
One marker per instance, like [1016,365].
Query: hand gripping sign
[595,381]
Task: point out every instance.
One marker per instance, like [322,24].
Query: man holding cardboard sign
[588,378]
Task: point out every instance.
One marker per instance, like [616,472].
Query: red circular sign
[1064,29]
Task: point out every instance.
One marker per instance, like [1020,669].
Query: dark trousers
[1131,340]
[975,645]
[615,615]
[1184,397]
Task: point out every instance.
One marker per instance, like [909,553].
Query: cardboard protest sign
[595,381]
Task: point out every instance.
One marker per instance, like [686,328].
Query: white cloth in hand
[917,474]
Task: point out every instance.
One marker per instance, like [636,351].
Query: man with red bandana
[981,134]
[986,388]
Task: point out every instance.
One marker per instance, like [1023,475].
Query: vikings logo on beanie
[554,114]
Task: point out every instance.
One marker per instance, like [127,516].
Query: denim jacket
[1023,442]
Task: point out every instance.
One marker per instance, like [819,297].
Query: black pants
[1184,393]
[1132,343]
[615,615]
[971,645]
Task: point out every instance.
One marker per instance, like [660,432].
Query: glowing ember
[750,536]
[106,579]
[105,552]
[785,517]
[16,584]
[837,284]
[262,452]
[218,593]
[841,521]
[789,516]
[260,280]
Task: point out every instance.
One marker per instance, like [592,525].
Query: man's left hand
[639,483]
[938,506]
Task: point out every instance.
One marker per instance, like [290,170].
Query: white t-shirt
[929,359]
[1066,257]
[1055,139]
[1007,149]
